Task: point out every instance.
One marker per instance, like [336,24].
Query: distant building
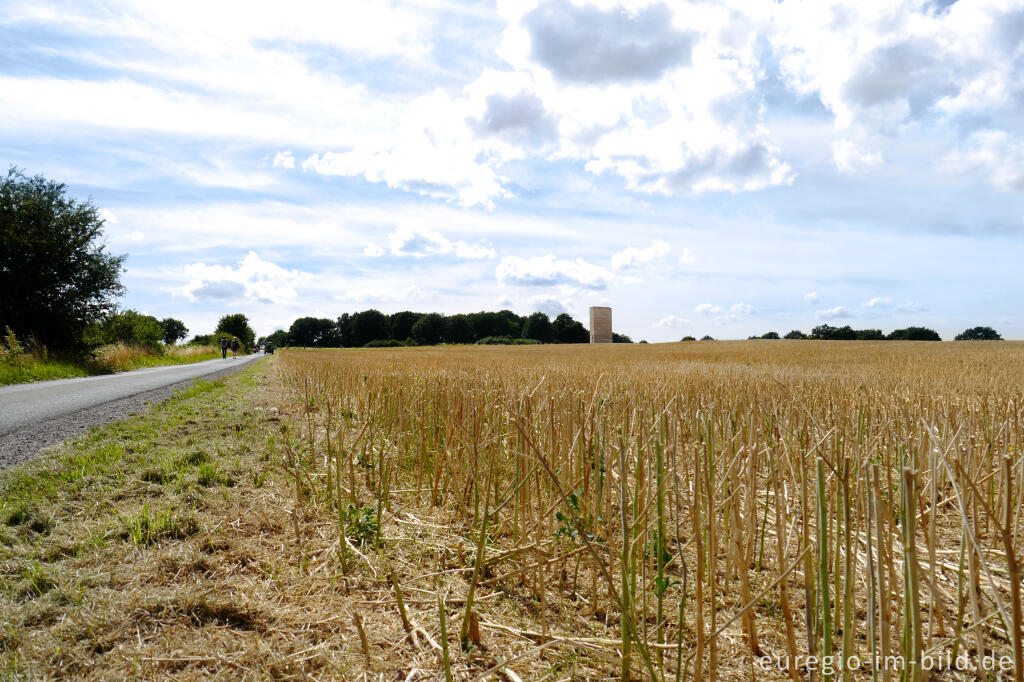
[600,324]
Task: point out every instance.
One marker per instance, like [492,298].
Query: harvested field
[673,511]
[712,510]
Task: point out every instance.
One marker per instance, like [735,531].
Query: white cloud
[284,159]
[811,297]
[993,152]
[255,280]
[686,258]
[721,314]
[551,271]
[673,322]
[418,242]
[108,216]
[837,312]
[632,257]
[849,158]
[552,306]
[878,302]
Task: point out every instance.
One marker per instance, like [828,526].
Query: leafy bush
[795,334]
[914,334]
[495,341]
[384,343]
[979,334]
[127,327]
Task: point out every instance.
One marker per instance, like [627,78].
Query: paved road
[33,416]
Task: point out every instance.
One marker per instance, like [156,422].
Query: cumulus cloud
[108,216]
[284,159]
[552,306]
[839,312]
[417,242]
[878,302]
[721,314]
[254,280]
[592,45]
[220,290]
[811,297]
[519,118]
[632,257]
[551,271]
[686,258]
[848,158]
[672,322]
[995,154]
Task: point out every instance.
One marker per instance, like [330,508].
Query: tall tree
[538,326]
[401,324]
[318,332]
[459,330]
[237,325]
[55,278]
[430,329]
[367,326]
[568,330]
[174,330]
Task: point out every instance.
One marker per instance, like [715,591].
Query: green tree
[914,334]
[55,278]
[620,338]
[870,335]
[688,338]
[401,324]
[318,332]
[236,324]
[979,334]
[174,330]
[127,326]
[795,334]
[568,330]
[279,338]
[538,326]
[459,329]
[367,326]
[430,329]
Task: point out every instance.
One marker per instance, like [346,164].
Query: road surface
[33,416]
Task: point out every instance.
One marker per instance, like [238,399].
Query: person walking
[224,347]
[234,347]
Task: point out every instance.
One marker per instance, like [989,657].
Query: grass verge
[114,546]
[119,357]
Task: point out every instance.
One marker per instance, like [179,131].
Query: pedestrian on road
[224,347]
[234,347]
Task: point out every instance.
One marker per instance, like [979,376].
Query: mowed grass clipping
[677,511]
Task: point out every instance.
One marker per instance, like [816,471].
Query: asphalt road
[33,416]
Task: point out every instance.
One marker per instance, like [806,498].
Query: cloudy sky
[722,168]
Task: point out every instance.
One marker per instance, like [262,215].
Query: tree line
[369,328]
[847,333]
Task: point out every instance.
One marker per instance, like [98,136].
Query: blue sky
[721,168]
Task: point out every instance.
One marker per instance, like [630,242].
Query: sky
[722,168]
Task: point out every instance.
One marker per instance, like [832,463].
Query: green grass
[28,368]
[72,517]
